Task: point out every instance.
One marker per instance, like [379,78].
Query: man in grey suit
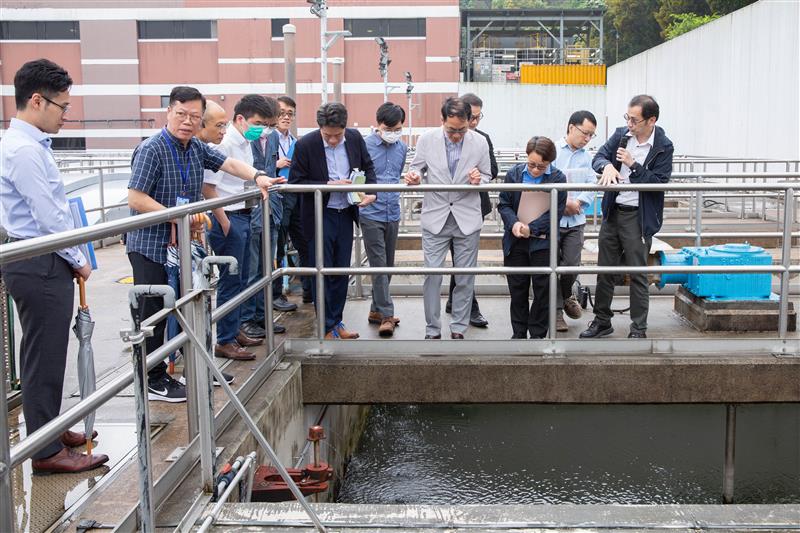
[452,155]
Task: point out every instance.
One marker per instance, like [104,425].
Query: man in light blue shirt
[576,164]
[32,204]
[380,221]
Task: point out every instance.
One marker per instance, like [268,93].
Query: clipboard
[532,205]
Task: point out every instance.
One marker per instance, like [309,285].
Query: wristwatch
[259,173]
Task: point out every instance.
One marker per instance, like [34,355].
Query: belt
[245,211]
[626,208]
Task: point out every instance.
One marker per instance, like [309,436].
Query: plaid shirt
[155,172]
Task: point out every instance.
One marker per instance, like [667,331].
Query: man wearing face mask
[381,219]
[230,233]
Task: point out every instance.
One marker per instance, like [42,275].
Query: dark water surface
[647,454]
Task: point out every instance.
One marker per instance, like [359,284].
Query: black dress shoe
[278,328]
[283,305]
[253,330]
[637,335]
[457,336]
[307,297]
[596,329]
[432,337]
[478,320]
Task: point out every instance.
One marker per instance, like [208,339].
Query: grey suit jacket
[430,161]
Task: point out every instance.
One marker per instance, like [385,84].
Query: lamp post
[319,8]
[411,106]
[383,66]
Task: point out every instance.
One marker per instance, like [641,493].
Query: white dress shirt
[639,153]
[233,145]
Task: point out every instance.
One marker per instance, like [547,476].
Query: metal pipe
[319,263]
[189,365]
[337,80]
[357,242]
[267,267]
[585,269]
[323,52]
[251,425]
[6,495]
[212,516]
[786,261]
[730,453]
[698,217]
[290,66]
[553,263]
[205,394]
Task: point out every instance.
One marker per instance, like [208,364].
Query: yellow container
[563,74]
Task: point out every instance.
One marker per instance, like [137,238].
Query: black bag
[486,204]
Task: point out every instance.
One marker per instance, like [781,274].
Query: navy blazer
[309,166]
[509,203]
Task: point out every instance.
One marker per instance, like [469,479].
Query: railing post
[205,393]
[101,182]
[267,262]
[358,259]
[189,365]
[319,249]
[786,261]
[730,453]
[552,305]
[6,494]
[698,217]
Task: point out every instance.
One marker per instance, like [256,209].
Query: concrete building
[125,57]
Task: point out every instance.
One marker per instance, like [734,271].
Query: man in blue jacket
[638,153]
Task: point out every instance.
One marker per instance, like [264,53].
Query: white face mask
[391,137]
[266,132]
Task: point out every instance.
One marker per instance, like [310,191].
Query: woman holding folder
[526,242]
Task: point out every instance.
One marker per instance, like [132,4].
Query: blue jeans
[253,308]
[337,247]
[234,244]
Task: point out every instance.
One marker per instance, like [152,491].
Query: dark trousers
[621,242]
[235,244]
[337,248]
[147,272]
[44,293]
[291,228]
[531,320]
[475,309]
[570,245]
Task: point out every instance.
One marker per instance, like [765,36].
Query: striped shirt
[156,172]
[453,153]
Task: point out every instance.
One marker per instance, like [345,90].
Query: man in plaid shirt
[167,170]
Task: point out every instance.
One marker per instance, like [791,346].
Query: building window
[165,101]
[277,27]
[40,31]
[177,29]
[385,27]
[69,143]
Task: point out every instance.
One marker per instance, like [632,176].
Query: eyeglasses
[454,131]
[632,120]
[477,117]
[183,116]
[585,133]
[63,107]
[288,114]
[538,166]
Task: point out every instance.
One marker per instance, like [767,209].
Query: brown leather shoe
[457,336]
[72,439]
[377,318]
[233,351]
[344,334]
[244,340]
[572,308]
[387,327]
[561,324]
[68,461]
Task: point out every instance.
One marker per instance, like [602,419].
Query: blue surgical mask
[253,133]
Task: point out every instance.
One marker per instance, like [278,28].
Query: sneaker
[344,333]
[166,390]
[283,305]
[228,379]
[561,324]
[596,329]
[572,308]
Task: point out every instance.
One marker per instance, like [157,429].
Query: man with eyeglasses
[476,318]
[637,153]
[33,204]
[452,155]
[167,171]
[576,164]
[215,122]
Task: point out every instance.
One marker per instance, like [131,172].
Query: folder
[532,205]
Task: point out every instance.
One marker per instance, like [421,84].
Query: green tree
[631,28]
[685,22]
[723,7]
[668,8]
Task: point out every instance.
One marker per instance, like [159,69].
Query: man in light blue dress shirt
[33,204]
[576,164]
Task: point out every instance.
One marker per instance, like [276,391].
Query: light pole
[383,66]
[411,106]
[319,8]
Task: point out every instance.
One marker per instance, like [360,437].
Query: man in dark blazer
[331,155]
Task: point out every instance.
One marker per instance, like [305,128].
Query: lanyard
[280,147]
[184,171]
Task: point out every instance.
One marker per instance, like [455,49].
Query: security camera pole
[383,66]
[319,8]
[411,106]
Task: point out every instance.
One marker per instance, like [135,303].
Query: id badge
[182,200]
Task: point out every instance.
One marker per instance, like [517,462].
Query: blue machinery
[721,287]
